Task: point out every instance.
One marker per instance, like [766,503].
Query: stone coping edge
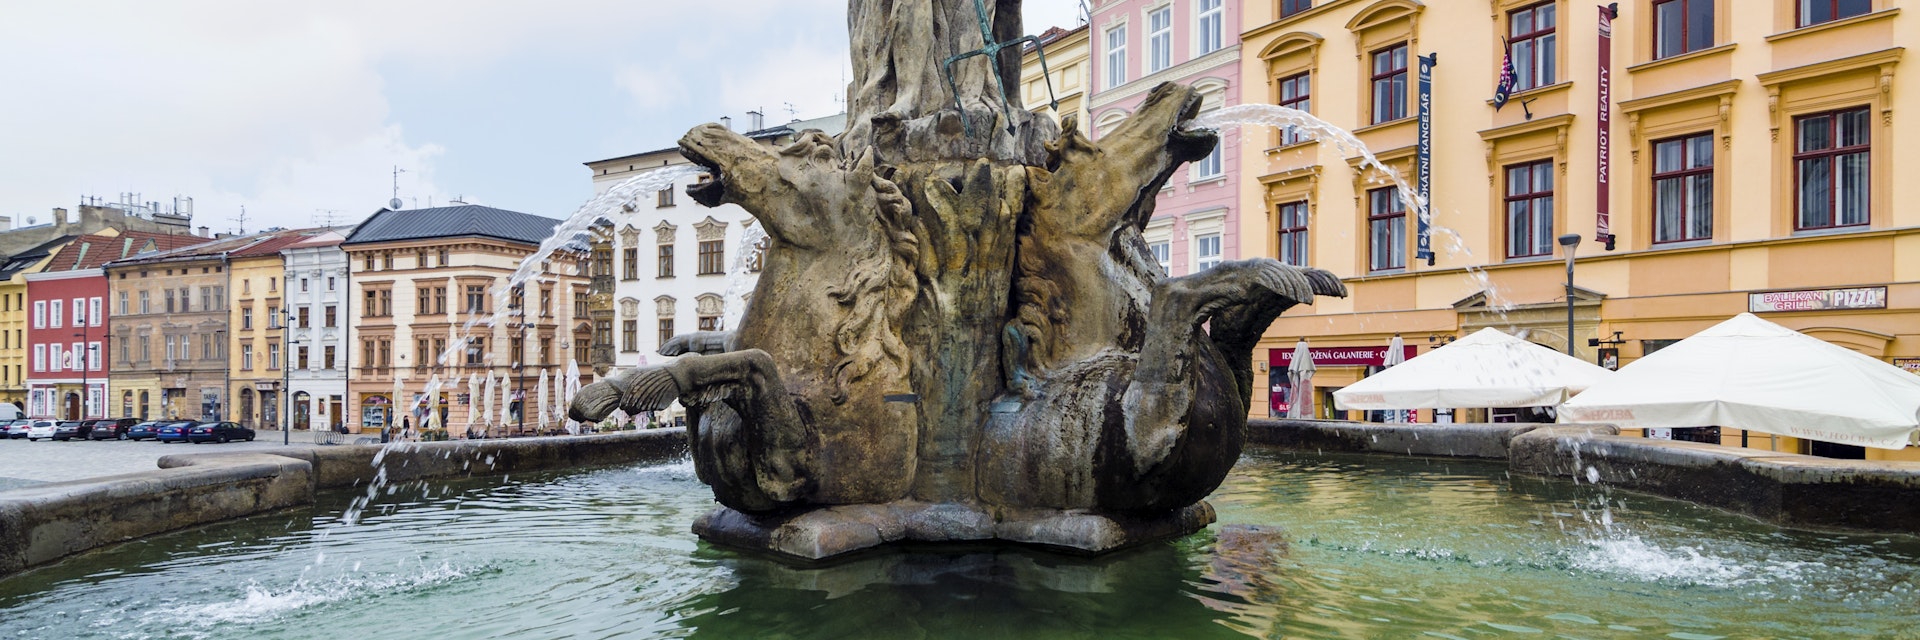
[1782,488]
[43,523]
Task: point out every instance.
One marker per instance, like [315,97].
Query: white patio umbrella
[486,404]
[540,423]
[573,387]
[395,409]
[1396,354]
[506,400]
[473,392]
[1748,373]
[1486,369]
[559,399]
[1300,378]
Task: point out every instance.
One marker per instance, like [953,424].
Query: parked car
[70,429]
[148,429]
[14,429]
[174,431]
[111,429]
[218,432]
[41,429]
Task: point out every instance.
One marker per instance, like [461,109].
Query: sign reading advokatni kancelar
[1817,299]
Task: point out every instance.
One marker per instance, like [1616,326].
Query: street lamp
[85,385]
[1571,241]
[286,375]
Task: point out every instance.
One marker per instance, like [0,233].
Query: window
[330,318]
[579,305]
[79,312]
[386,261]
[273,317]
[546,302]
[120,303]
[246,286]
[372,306]
[369,264]
[53,314]
[424,300]
[446,256]
[1293,233]
[93,312]
[125,352]
[1386,230]
[145,303]
[666,330]
[419,260]
[146,347]
[1163,254]
[273,356]
[246,317]
[1390,83]
[476,298]
[386,352]
[1206,252]
[664,198]
[546,350]
[1116,56]
[1160,39]
[630,264]
[709,323]
[1290,7]
[246,357]
[1683,189]
[630,335]
[1830,171]
[1530,209]
[712,259]
[330,356]
[306,318]
[273,284]
[1212,14]
[666,261]
[1296,92]
[39,357]
[329,283]
[300,355]
[93,356]
[1814,12]
[1681,26]
[1531,40]
[39,314]
[303,285]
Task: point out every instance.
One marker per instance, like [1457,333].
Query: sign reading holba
[1818,299]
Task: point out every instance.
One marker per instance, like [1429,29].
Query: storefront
[1335,367]
[376,409]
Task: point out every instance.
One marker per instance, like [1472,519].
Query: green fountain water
[1319,546]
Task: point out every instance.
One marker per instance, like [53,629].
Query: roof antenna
[242,219]
[395,202]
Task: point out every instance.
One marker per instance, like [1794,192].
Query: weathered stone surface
[949,256]
[1459,440]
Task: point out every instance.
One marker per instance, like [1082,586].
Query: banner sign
[1423,249]
[1817,300]
[1281,359]
[1603,223]
[1911,365]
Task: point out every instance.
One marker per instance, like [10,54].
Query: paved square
[25,463]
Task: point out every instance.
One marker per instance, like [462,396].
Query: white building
[671,255]
[316,277]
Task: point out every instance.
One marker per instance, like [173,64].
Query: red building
[67,316]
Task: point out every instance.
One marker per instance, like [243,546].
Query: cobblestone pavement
[24,463]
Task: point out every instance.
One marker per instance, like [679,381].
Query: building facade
[259,356]
[14,319]
[178,328]
[431,310]
[1138,44]
[69,343]
[667,261]
[1749,162]
[317,280]
[1068,58]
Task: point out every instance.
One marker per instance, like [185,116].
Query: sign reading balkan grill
[1817,299]
[1334,356]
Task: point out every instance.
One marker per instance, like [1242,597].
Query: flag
[1507,76]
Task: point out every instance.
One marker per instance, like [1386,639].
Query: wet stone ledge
[43,523]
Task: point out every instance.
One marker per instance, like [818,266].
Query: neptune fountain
[959,333]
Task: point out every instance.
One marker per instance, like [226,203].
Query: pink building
[1138,44]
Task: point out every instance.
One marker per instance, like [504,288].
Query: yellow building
[1752,164]
[13,315]
[258,362]
[1068,65]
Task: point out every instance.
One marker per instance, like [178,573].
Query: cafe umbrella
[1300,377]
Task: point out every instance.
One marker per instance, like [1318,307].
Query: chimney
[59,216]
[203,232]
[6,223]
[726,122]
[757,119]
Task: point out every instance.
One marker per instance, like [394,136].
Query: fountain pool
[1307,546]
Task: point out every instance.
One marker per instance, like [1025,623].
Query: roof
[388,225]
[93,251]
[327,238]
[221,248]
[271,246]
[21,261]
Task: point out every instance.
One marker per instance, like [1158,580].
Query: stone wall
[44,523]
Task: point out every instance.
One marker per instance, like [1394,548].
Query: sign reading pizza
[1817,299]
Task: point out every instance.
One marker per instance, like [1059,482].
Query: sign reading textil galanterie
[1817,299]
[1423,245]
[1603,223]
[1335,356]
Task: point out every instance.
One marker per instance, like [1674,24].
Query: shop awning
[1748,373]
[1486,369]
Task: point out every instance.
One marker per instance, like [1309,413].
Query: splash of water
[1302,123]
[744,274]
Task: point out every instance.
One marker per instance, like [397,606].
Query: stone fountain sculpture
[958,333]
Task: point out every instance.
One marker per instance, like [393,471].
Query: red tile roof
[92,251]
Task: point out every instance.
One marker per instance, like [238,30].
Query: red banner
[1603,224]
[1335,356]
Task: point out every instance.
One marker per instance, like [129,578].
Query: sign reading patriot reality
[1817,299]
[1603,223]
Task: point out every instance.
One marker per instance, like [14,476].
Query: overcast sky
[294,109]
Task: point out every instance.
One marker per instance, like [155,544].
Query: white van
[10,412]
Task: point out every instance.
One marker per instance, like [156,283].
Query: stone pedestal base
[832,531]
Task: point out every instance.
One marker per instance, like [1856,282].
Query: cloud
[807,75]
[651,86]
